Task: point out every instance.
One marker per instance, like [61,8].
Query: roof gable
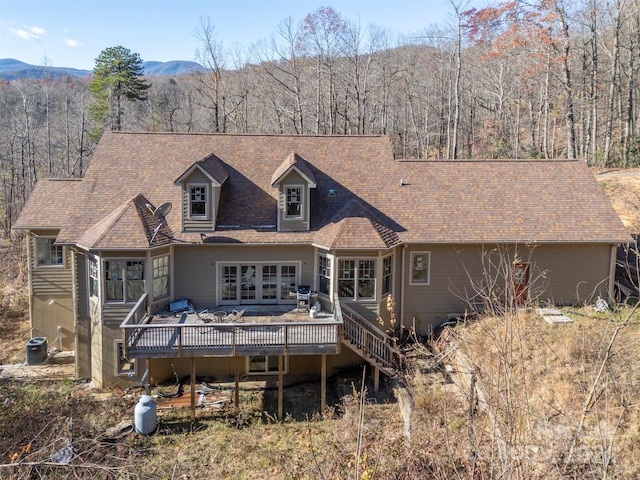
[211,166]
[291,163]
[131,225]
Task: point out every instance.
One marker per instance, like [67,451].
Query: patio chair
[236,316]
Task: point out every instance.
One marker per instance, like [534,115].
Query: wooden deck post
[280,387]
[376,379]
[323,385]
[193,391]
[237,381]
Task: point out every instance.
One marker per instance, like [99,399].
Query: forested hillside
[543,79]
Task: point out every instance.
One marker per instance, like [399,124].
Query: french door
[254,283]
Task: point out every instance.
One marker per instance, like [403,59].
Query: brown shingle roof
[293,161]
[355,224]
[212,166]
[131,225]
[51,203]
[468,201]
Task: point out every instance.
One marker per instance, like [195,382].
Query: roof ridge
[226,134]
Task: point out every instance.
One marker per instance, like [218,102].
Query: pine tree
[117,74]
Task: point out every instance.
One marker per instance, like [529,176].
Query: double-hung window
[124,279]
[294,202]
[324,274]
[94,279]
[198,199]
[420,263]
[160,267]
[48,253]
[387,271]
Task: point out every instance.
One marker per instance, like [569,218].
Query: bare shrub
[496,290]
[555,400]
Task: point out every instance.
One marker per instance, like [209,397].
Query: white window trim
[49,265]
[153,277]
[302,202]
[386,257]
[207,196]
[116,356]
[103,280]
[331,260]
[96,260]
[279,263]
[285,365]
[428,266]
[356,278]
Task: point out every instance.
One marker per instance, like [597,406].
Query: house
[152,258]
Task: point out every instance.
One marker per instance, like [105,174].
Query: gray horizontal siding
[51,280]
[195,267]
[560,274]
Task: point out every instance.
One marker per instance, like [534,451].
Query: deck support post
[147,382]
[193,391]
[323,385]
[376,379]
[237,385]
[280,387]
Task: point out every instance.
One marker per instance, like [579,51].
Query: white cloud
[31,33]
[38,30]
[23,34]
[72,43]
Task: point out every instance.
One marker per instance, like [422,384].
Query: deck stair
[368,341]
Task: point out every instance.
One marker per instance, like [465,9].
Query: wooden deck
[261,330]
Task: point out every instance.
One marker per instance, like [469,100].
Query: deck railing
[137,314]
[144,339]
[148,340]
[370,340]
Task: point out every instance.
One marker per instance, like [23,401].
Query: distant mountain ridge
[11,69]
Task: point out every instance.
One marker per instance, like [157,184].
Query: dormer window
[294,202]
[294,180]
[198,201]
[201,186]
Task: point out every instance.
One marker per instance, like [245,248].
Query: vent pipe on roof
[402,182]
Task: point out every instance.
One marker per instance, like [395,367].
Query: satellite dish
[161,212]
[159,215]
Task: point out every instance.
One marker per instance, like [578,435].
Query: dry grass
[623,189]
[553,401]
[38,418]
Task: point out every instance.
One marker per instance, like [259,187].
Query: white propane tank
[145,415]
[313,313]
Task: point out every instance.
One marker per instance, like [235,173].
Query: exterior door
[248,282]
[258,284]
[269,284]
[521,283]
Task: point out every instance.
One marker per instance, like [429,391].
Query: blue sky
[72,33]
